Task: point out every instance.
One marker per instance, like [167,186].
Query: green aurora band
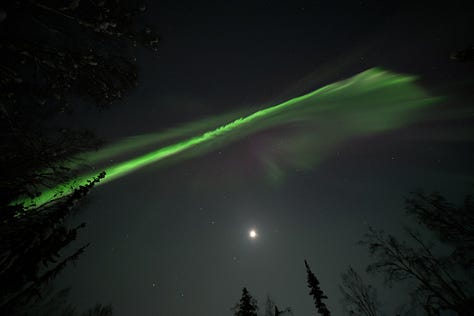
[371,102]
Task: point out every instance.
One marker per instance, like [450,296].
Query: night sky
[173,239]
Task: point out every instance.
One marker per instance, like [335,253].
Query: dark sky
[174,240]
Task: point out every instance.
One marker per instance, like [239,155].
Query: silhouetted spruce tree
[31,248]
[54,54]
[247,305]
[316,292]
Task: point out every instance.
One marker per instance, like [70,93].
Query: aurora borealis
[258,135]
[373,101]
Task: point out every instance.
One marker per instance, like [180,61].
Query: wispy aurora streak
[372,101]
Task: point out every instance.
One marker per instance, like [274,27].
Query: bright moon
[253,234]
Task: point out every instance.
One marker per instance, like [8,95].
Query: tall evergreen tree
[316,292]
[55,56]
[247,305]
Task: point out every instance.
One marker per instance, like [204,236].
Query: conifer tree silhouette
[316,292]
[247,305]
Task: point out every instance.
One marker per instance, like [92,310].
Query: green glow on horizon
[372,101]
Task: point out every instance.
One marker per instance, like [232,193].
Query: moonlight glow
[253,234]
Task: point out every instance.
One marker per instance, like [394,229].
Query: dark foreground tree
[55,303]
[316,292]
[444,282]
[358,297]
[452,224]
[54,55]
[31,248]
[247,306]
